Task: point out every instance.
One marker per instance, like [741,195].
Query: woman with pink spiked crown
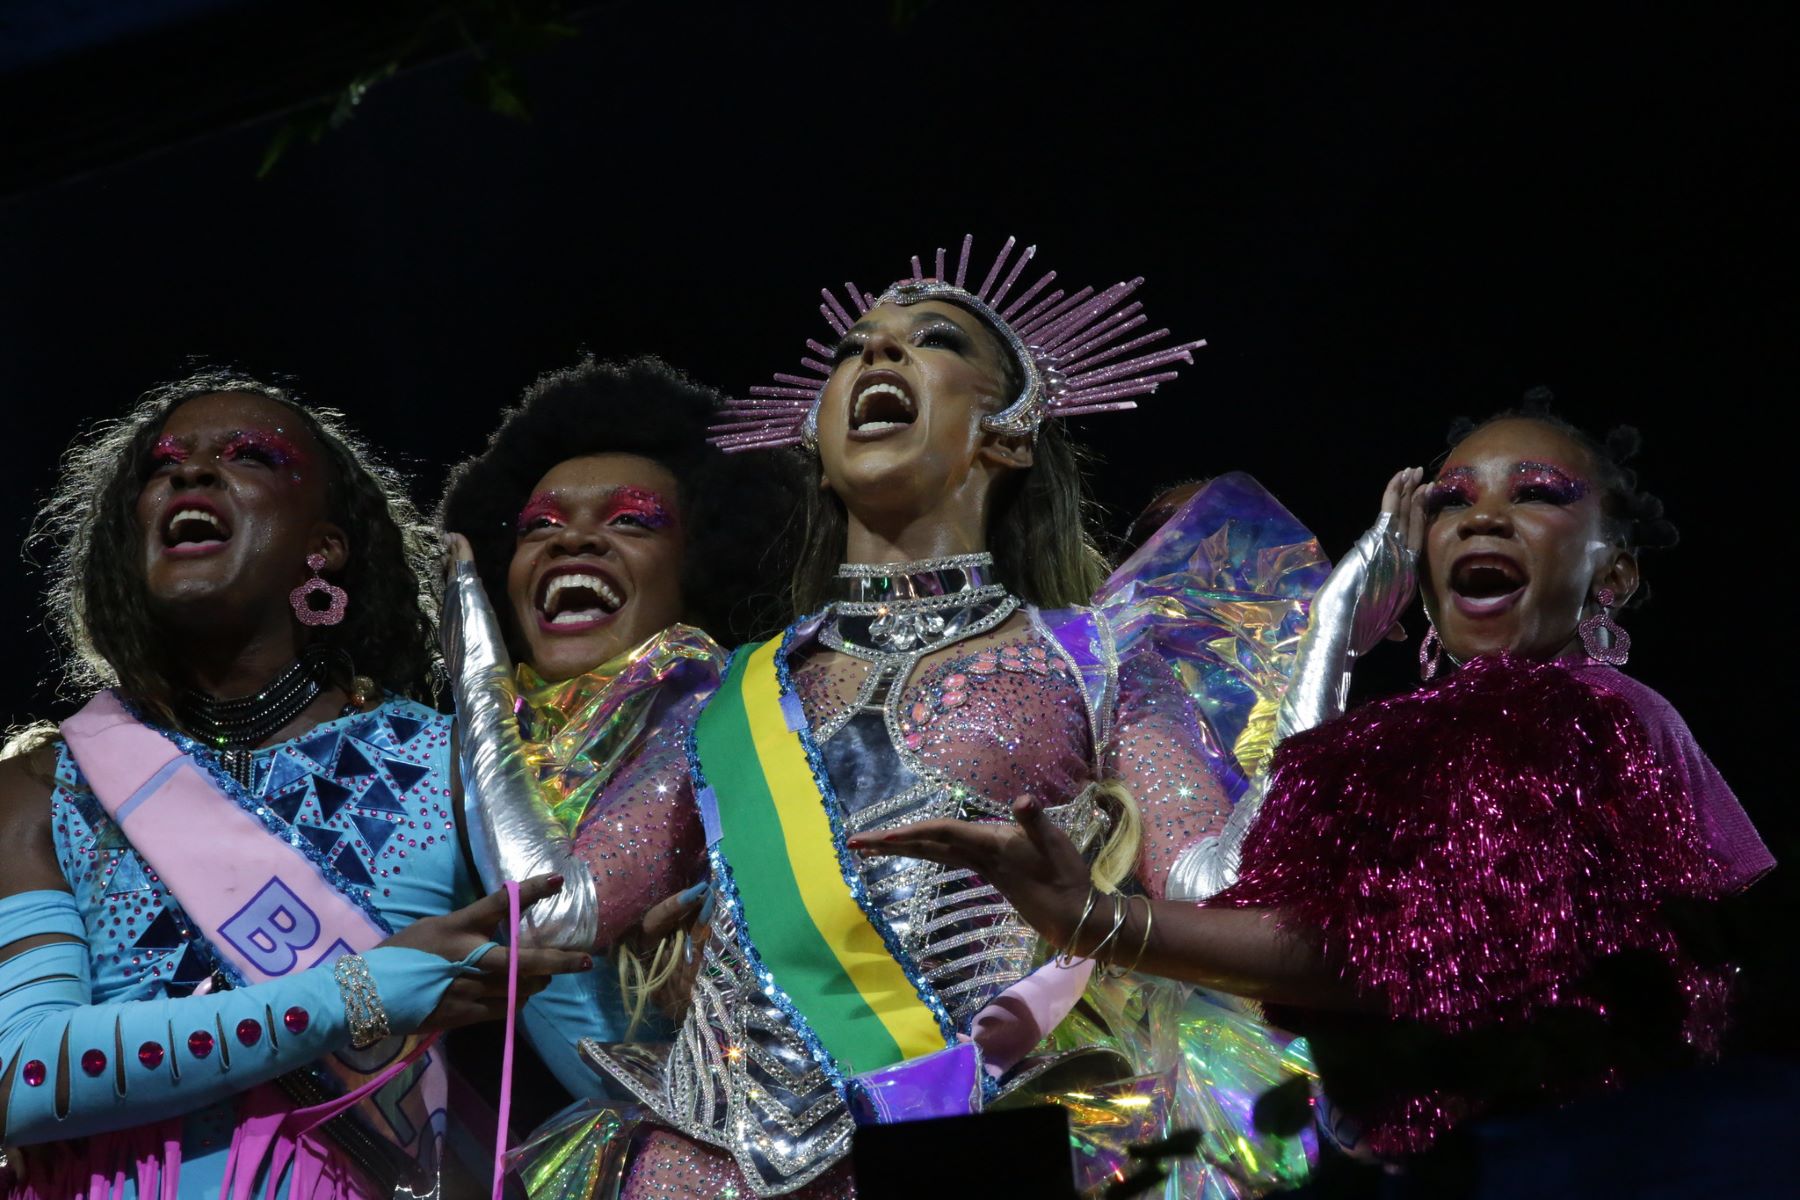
[959,645]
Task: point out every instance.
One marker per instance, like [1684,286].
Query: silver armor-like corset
[738,1074]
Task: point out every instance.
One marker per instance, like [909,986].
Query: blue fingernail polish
[706,910]
[689,895]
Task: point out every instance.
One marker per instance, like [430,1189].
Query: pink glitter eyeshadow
[1535,480]
[645,505]
[541,507]
[168,449]
[265,444]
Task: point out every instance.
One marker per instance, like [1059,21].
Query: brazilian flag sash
[765,799]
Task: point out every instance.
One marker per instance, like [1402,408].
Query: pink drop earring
[1604,639]
[1431,653]
[300,597]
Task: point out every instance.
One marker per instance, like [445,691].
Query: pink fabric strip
[1025,1013]
[506,1057]
[259,900]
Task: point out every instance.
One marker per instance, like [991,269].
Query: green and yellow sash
[769,820]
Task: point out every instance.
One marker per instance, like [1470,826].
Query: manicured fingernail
[586,963]
[706,910]
[689,895]
[556,881]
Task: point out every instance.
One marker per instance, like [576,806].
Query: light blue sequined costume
[366,797]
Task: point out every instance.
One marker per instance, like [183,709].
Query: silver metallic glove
[1353,610]
[513,833]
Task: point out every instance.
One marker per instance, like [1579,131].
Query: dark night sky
[1378,225]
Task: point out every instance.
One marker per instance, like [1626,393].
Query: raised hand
[454,936]
[1386,583]
[1029,861]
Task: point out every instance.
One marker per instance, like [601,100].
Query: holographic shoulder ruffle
[1220,592]
[578,731]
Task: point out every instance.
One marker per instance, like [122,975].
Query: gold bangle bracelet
[1119,913]
[1143,946]
[1066,957]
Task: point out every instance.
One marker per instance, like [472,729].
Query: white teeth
[609,598]
[875,389]
[880,426]
[197,514]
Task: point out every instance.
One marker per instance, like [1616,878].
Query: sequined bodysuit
[972,727]
[368,795]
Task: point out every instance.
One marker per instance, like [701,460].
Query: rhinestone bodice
[960,734]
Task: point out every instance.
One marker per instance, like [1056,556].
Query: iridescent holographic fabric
[1220,592]
[579,730]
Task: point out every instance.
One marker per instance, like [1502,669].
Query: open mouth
[883,402]
[1486,583]
[194,528]
[576,598]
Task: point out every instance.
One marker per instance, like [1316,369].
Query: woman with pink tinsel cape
[1481,885]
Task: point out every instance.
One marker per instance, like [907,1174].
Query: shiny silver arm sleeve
[1353,610]
[1360,601]
[513,833]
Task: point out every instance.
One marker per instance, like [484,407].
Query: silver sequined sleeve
[513,833]
[1355,607]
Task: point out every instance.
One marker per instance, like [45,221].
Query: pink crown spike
[1049,277]
[844,319]
[987,285]
[1012,276]
[1041,307]
[1112,352]
[1079,351]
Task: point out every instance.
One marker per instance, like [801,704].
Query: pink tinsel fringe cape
[1470,852]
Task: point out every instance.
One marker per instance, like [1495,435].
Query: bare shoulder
[27,778]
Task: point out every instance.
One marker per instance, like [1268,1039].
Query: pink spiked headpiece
[1067,346]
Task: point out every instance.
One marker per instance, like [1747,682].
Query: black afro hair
[739,510]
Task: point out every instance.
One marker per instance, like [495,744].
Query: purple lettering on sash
[272,929]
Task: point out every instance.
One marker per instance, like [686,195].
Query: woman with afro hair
[605,551]
[233,878]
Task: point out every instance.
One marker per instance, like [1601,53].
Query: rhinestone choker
[903,608]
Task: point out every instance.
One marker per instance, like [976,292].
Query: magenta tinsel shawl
[1469,853]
